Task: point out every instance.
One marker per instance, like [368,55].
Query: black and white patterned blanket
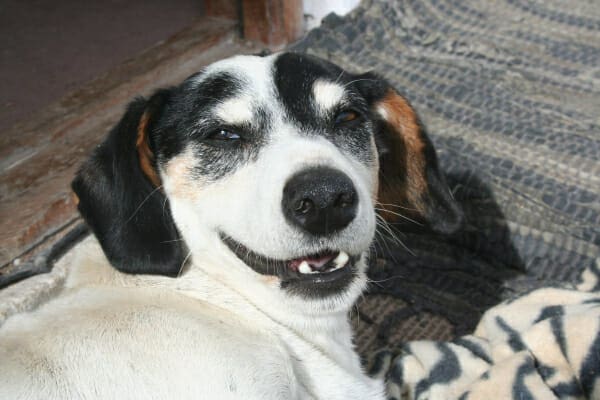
[544,344]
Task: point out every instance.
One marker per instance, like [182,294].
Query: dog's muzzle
[312,275]
[320,201]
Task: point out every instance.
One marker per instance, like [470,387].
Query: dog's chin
[326,273]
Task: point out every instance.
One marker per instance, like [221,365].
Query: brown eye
[345,116]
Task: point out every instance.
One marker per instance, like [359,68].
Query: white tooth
[304,268]
[341,260]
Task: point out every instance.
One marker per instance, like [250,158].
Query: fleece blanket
[544,344]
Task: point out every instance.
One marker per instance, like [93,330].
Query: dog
[232,218]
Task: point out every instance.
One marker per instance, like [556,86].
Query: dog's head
[267,172]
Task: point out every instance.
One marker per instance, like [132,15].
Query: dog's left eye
[346,116]
[223,134]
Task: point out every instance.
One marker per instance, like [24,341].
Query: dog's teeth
[304,268]
[341,260]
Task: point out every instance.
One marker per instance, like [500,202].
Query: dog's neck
[328,333]
[319,329]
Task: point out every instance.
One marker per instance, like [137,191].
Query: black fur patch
[188,120]
[295,75]
[130,217]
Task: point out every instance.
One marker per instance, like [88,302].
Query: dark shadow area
[455,277]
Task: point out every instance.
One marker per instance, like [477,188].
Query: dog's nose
[320,200]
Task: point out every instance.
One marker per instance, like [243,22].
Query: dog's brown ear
[410,183]
[120,196]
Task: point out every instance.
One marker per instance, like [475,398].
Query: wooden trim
[229,9]
[274,23]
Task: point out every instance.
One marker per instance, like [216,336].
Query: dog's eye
[223,134]
[346,116]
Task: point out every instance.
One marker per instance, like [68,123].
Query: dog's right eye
[223,135]
[346,116]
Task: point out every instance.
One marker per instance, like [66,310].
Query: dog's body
[116,336]
[236,212]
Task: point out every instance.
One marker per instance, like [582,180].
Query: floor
[51,47]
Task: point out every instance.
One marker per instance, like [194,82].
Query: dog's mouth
[321,263]
[330,269]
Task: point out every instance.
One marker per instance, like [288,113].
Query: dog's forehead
[300,84]
[244,89]
[309,86]
[252,72]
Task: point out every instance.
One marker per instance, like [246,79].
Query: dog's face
[279,164]
[266,172]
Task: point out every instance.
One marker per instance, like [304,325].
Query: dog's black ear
[120,196]
[410,182]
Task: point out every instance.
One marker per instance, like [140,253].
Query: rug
[510,93]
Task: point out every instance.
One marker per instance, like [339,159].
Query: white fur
[235,111]
[327,95]
[383,112]
[219,330]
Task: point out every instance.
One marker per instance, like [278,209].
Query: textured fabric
[542,345]
[510,92]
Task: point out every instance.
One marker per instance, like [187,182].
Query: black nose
[319,200]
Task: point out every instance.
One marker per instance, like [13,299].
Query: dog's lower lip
[325,266]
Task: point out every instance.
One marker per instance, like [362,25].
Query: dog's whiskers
[395,205]
[381,222]
[377,282]
[382,242]
[399,215]
[142,203]
[374,246]
[358,80]
[183,263]
[171,241]
[339,77]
